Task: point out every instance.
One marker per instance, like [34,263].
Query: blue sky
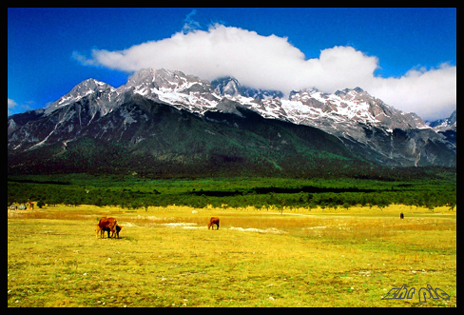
[388,52]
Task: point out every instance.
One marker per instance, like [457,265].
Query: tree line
[419,193]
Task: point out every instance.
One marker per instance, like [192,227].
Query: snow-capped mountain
[446,127]
[232,87]
[307,107]
[89,87]
[364,124]
[444,124]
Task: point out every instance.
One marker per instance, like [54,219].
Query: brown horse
[106,223]
[212,221]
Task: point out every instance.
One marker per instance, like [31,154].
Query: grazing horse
[212,221]
[401,215]
[108,223]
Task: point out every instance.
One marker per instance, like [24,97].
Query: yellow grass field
[166,257]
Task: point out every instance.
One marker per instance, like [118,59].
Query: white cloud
[12,103]
[340,67]
[83,60]
[189,23]
[255,60]
[271,62]
[429,93]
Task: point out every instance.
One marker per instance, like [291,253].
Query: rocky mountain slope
[446,127]
[349,124]
[444,124]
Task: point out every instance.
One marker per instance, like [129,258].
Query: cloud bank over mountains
[272,62]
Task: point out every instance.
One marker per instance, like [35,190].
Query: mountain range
[166,122]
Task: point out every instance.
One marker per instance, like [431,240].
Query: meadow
[166,256]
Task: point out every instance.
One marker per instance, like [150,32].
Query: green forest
[428,187]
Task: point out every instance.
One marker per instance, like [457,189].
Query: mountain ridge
[444,124]
[367,127]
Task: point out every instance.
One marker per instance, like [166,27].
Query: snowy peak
[309,106]
[351,93]
[444,124]
[171,87]
[143,76]
[230,86]
[226,86]
[162,80]
[83,89]
[357,105]
[348,105]
[87,87]
[174,88]
[305,97]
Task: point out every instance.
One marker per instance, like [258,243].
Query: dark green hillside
[159,141]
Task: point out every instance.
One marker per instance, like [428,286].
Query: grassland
[167,257]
